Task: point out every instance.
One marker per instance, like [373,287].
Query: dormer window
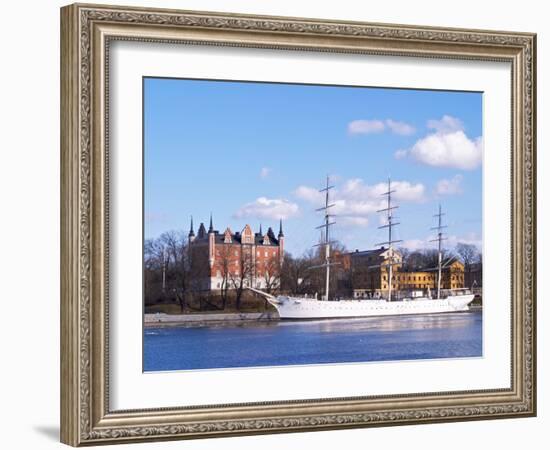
[227,239]
[247,235]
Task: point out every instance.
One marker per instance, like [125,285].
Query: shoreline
[155,320]
[163,319]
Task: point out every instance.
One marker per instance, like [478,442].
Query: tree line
[169,278]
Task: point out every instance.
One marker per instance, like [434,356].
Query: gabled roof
[374,252]
[236,238]
[219,238]
[202,231]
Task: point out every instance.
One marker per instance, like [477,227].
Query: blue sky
[256,152]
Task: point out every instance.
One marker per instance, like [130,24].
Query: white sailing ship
[293,307]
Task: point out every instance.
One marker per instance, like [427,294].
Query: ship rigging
[292,307]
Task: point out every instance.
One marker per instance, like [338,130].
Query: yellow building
[370,274]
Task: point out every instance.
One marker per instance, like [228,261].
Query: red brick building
[234,260]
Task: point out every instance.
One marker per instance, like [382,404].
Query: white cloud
[401,128]
[356,189]
[447,124]
[449,244]
[447,146]
[355,201]
[449,187]
[309,194]
[408,192]
[401,154]
[452,149]
[469,238]
[414,244]
[365,126]
[268,208]
[264,172]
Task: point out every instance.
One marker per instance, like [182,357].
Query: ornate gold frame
[86,31]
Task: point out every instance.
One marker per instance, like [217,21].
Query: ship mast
[389,225]
[439,240]
[325,240]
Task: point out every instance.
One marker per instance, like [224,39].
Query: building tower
[281,238]
[211,243]
[191,235]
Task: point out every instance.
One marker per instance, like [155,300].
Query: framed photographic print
[276,224]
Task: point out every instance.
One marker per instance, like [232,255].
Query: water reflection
[254,344]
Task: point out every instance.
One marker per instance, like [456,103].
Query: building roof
[202,231]
[236,238]
[374,252]
[219,238]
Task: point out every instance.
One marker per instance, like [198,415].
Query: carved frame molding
[86,31]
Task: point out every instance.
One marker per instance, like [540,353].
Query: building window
[236,253]
[266,254]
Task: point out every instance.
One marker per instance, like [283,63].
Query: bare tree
[174,249]
[340,274]
[404,252]
[241,277]
[272,275]
[153,264]
[431,258]
[426,259]
[468,253]
[296,274]
[414,260]
[225,273]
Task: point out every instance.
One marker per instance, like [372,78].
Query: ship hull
[304,308]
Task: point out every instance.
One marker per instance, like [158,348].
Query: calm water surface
[254,344]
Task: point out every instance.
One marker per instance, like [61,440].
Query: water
[255,344]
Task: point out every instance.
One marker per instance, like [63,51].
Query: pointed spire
[261,234]
[191,232]
[211,228]
[281,228]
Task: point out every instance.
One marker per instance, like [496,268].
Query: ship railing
[456,291]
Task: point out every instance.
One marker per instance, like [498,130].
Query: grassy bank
[250,303]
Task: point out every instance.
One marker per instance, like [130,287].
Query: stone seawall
[160,319]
